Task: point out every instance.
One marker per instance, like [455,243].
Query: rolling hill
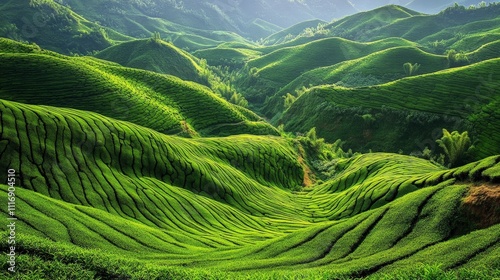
[130,157]
[164,103]
[418,27]
[115,195]
[461,98]
[356,26]
[157,56]
[293,31]
[375,68]
[282,66]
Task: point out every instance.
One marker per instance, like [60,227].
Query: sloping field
[284,65]
[222,207]
[358,25]
[419,27]
[161,102]
[157,56]
[375,68]
[408,112]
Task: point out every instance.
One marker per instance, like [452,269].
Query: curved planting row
[222,203]
[163,103]
[226,187]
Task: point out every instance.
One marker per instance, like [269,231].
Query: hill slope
[418,27]
[161,102]
[157,56]
[375,68]
[132,192]
[280,67]
[407,113]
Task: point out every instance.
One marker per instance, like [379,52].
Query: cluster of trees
[456,59]
[220,79]
[457,148]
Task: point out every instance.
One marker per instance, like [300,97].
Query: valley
[177,140]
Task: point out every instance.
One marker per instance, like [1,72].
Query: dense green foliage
[109,185]
[145,161]
[455,145]
[54,26]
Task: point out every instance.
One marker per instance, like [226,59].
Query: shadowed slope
[54,26]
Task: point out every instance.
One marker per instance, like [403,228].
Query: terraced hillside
[354,27]
[131,163]
[115,195]
[164,103]
[280,67]
[397,116]
[157,56]
[375,68]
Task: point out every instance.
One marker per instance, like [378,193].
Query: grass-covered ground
[125,201]
[55,26]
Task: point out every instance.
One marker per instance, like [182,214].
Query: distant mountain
[252,19]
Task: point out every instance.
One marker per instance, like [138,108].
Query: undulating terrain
[311,139]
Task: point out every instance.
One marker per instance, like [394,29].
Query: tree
[456,59]
[455,146]
[411,69]
[156,37]
[289,100]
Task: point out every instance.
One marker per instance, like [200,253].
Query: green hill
[375,68]
[465,38]
[356,27]
[233,57]
[164,103]
[131,163]
[157,56]
[419,27]
[291,32]
[407,114]
[486,51]
[260,28]
[280,67]
[54,26]
[116,196]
